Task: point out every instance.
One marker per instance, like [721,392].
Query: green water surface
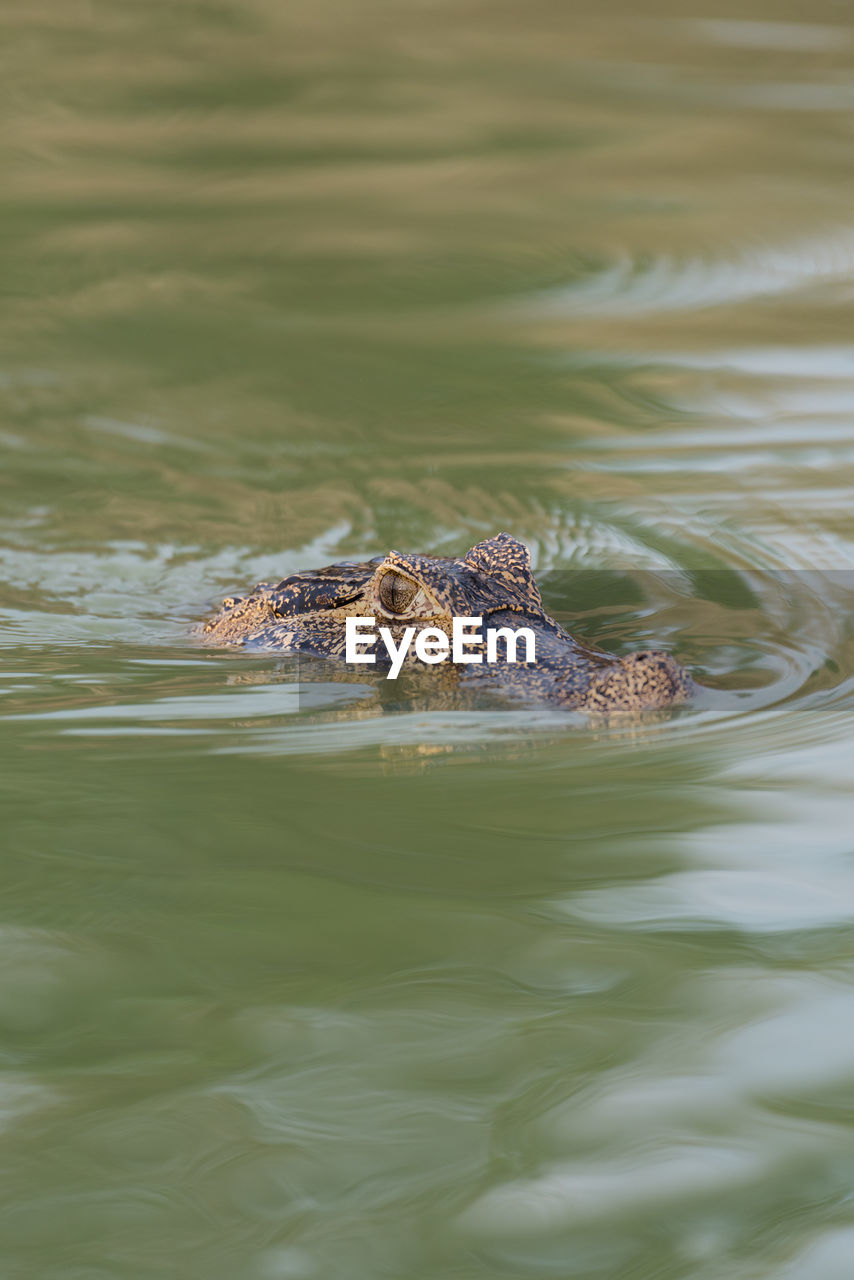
[313,983]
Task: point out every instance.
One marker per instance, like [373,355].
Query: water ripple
[635,286]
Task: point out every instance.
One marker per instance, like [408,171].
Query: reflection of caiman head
[306,613]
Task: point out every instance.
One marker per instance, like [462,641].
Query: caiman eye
[397,592]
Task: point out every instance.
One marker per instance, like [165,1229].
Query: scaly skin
[305,613]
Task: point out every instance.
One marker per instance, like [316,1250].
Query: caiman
[306,613]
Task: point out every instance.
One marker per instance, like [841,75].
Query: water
[310,984]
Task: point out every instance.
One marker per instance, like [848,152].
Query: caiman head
[307,611]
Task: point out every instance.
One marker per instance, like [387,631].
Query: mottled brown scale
[306,612]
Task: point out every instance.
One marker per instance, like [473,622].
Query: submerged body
[307,613]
